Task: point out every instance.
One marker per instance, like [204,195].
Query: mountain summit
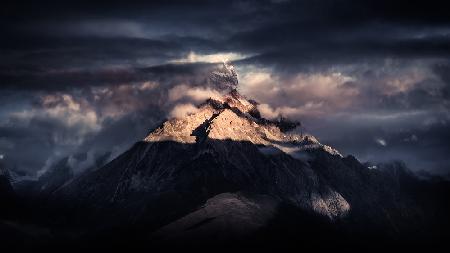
[235,118]
[224,77]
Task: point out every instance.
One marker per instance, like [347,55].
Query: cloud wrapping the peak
[195,94]
[183,110]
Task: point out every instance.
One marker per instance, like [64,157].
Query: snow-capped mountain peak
[233,117]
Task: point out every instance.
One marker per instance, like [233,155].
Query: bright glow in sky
[193,57]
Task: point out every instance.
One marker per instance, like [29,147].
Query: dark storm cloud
[20,79]
[25,78]
[70,50]
[286,33]
[82,71]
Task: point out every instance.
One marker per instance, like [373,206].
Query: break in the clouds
[368,77]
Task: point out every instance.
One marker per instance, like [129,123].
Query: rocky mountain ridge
[225,173]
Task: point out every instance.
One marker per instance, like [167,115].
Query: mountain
[220,148]
[58,174]
[226,173]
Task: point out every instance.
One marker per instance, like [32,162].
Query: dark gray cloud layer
[369,77]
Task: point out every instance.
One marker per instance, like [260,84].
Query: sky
[370,78]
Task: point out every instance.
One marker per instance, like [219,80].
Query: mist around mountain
[222,176]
